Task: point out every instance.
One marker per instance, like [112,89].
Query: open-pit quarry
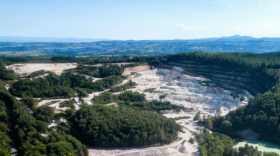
[174,85]
[193,93]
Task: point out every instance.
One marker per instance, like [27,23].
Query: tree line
[103,71]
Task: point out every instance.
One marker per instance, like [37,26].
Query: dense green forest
[61,86]
[123,127]
[211,144]
[262,115]
[6,74]
[5,140]
[28,130]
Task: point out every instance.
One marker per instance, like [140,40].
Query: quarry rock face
[188,91]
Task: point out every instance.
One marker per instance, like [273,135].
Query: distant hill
[46,39]
[140,47]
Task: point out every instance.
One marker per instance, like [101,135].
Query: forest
[4,73]
[63,86]
[28,130]
[120,126]
[211,144]
[5,140]
[261,115]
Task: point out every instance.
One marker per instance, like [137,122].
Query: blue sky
[139,19]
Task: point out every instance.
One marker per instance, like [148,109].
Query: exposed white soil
[54,103]
[26,69]
[187,91]
[182,90]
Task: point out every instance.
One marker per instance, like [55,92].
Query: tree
[191,140]
[197,116]
[44,113]
[209,123]
[226,125]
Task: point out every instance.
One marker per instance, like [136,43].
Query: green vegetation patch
[6,74]
[62,86]
[119,127]
[234,95]
[103,71]
[162,96]
[108,97]
[164,87]
[222,145]
[134,100]
[37,73]
[69,104]
[150,90]
[123,87]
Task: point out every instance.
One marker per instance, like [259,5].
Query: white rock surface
[28,68]
[188,91]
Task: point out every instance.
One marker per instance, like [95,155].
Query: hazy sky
[139,19]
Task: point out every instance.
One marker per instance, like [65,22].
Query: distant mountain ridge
[66,39]
[46,39]
[73,46]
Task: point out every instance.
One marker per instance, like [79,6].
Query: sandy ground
[25,69]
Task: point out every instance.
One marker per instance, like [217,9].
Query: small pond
[262,145]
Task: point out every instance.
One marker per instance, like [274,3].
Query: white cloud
[229,6]
[180,25]
[267,25]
